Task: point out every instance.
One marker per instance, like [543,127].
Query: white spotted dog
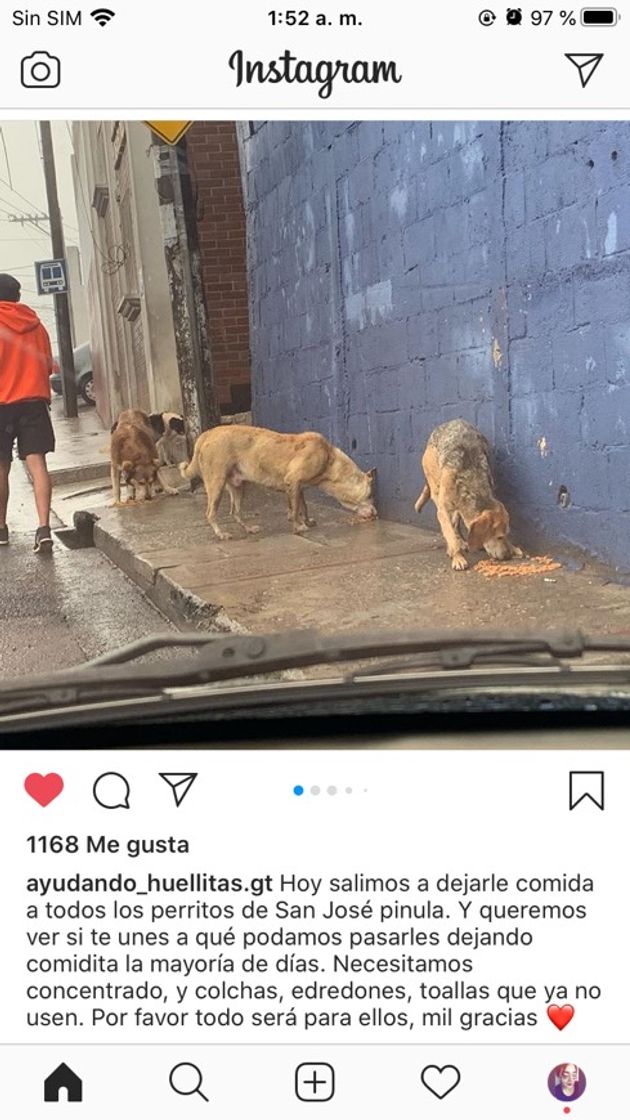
[170,437]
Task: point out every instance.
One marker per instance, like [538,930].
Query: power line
[9,183]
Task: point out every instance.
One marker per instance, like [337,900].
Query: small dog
[456,465]
[134,458]
[230,455]
[170,437]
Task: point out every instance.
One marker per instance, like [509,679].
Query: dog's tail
[423,499]
[191,470]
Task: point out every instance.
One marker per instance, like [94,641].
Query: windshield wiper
[222,658]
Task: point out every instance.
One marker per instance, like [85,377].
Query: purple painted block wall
[402,274]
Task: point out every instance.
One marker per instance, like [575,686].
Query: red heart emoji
[43,788]
[560,1016]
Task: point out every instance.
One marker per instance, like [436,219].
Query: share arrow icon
[586,65]
[180,784]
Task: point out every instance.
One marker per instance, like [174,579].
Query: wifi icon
[102,15]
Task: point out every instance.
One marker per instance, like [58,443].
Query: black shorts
[29,423]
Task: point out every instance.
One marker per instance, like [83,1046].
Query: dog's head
[366,510]
[167,423]
[490,531]
[351,486]
[142,472]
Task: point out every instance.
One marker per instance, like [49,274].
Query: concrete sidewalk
[339,576]
[81,446]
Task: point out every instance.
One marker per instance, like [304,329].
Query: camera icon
[40,70]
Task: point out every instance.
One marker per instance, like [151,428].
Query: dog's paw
[518,554]
[299,529]
[223,536]
[459,562]
[310,521]
[252,529]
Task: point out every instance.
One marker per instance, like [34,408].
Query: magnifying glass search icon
[186,1079]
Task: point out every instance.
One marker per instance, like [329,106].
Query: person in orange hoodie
[26,363]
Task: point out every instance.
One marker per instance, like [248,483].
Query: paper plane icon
[180,784]
[586,65]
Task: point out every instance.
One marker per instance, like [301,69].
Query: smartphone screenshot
[314,577]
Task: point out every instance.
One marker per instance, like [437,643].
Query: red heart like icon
[43,788]
[560,1016]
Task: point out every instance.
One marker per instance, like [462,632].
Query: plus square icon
[315,1081]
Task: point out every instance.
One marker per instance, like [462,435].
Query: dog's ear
[176,424]
[156,420]
[480,529]
[490,524]
[113,427]
[371,474]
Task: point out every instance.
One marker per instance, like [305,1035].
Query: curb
[180,606]
[79,474]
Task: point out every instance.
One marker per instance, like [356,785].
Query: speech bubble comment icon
[111,791]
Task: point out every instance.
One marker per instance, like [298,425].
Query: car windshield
[267,376]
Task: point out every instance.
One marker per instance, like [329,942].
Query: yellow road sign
[170,131]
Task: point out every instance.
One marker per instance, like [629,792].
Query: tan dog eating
[456,465]
[233,454]
[134,457]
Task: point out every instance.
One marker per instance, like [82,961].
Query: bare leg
[455,546]
[42,486]
[5,468]
[423,499]
[236,498]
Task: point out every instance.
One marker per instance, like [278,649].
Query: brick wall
[402,274]
[214,163]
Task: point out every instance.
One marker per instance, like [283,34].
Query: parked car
[82,371]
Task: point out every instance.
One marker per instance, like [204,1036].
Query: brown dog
[456,465]
[134,456]
[233,454]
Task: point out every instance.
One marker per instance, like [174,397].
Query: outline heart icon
[43,788]
[560,1016]
[441,1070]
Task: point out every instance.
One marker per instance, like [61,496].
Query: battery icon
[599,17]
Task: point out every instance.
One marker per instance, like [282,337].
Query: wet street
[59,610]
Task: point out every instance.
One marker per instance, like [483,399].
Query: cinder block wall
[214,163]
[404,274]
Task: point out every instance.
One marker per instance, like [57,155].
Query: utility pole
[62,301]
[183,267]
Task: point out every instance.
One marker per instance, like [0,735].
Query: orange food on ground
[533,566]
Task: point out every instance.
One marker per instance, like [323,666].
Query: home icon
[63,1078]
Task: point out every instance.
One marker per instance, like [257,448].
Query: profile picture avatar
[566,1082]
[41,70]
